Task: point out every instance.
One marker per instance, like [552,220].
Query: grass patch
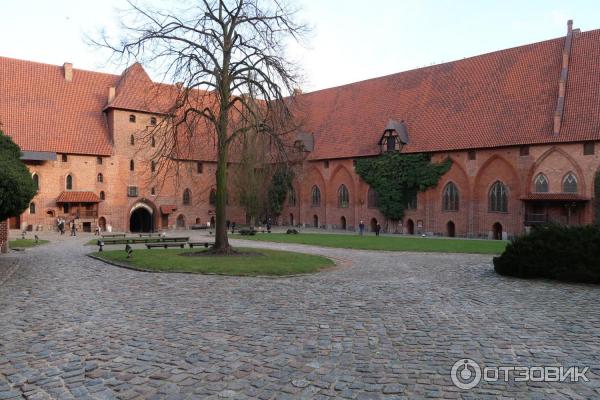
[389,243]
[268,262]
[25,243]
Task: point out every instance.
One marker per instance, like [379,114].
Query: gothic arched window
[541,183]
[343,197]
[450,197]
[569,184]
[315,196]
[498,197]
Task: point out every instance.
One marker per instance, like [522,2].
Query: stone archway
[141,218]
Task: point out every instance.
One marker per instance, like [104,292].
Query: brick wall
[3,237]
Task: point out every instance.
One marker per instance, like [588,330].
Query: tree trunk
[221,240]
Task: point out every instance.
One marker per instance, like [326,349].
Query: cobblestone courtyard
[384,325]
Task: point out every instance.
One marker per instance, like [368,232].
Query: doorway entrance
[497,231]
[14,222]
[180,222]
[291,219]
[373,224]
[102,224]
[316,221]
[343,223]
[450,229]
[410,227]
[141,219]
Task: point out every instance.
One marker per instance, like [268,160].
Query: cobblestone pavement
[391,325]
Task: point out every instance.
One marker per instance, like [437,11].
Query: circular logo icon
[466,374]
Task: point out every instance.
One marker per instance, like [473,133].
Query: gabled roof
[41,111]
[503,98]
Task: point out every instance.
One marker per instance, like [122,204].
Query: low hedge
[566,253]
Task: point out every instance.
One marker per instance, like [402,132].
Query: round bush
[566,253]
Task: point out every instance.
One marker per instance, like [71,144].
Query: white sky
[351,40]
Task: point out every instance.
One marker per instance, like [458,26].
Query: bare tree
[218,52]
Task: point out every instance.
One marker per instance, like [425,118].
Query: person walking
[361,228]
[377,229]
[73,228]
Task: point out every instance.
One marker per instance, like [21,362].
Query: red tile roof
[554,197]
[78,197]
[41,111]
[498,99]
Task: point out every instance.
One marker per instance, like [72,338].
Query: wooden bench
[165,245]
[200,244]
[113,235]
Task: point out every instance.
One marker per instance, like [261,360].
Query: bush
[247,232]
[292,232]
[554,252]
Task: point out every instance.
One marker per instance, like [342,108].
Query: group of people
[61,224]
[361,228]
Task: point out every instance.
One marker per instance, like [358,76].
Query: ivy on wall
[396,178]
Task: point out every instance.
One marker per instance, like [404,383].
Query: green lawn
[390,243]
[267,262]
[25,243]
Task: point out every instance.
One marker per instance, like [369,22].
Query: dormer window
[152,120]
[131,118]
[395,136]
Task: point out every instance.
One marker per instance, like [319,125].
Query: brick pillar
[4,237]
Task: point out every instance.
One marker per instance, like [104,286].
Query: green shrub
[566,253]
[247,232]
[292,232]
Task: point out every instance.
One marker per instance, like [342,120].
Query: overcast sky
[351,40]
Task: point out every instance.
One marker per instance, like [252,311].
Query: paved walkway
[389,326]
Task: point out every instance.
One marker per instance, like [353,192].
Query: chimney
[111,94]
[562,81]
[68,70]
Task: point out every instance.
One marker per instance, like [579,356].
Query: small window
[291,197]
[153,166]
[199,167]
[588,148]
[212,197]
[391,143]
[132,191]
[99,160]
[66,208]
[36,181]
[102,195]
[343,197]
[100,178]
[186,197]
[131,118]
[132,140]
[450,198]
[570,183]
[69,182]
[498,198]
[326,163]
[153,191]
[64,158]
[316,196]
[524,151]
[372,198]
[472,155]
[411,202]
[152,120]
[541,183]
[131,165]
[153,142]
[32,208]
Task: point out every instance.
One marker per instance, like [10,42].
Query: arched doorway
[141,219]
[343,223]
[212,222]
[410,227]
[180,222]
[450,229]
[291,219]
[373,224]
[497,231]
[102,224]
[198,221]
[316,221]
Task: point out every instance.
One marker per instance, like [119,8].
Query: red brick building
[3,237]
[521,125]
